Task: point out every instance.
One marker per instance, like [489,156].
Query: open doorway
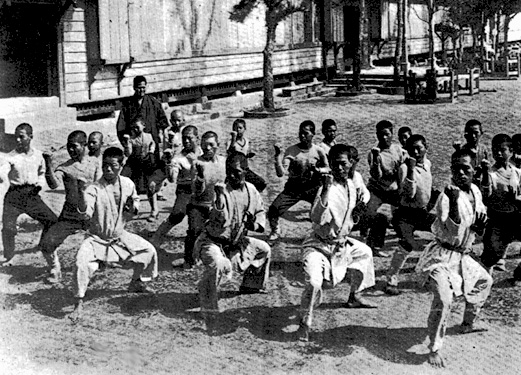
[28,50]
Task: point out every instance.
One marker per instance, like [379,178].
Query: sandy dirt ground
[164,333]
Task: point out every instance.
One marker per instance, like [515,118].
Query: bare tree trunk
[483,53]
[430,8]
[325,46]
[497,24]
[505,42]
[399,41]
[405,36]
[268,83]
[364,35]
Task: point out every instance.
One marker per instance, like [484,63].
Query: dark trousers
[23,200]
[285,201]
[375,222]
[406,220]
[499,232]
[197,217]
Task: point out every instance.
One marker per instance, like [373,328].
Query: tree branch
[242,10]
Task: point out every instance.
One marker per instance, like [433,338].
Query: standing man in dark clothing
[145,107]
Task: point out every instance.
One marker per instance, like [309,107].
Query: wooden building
[84,53]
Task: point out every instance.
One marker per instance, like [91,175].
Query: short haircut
[328,123]
[177,111]
[404,129]
[190,129]
[413,139]
[473,122]
[306,123]
[460,154]
[238,122]
[501,138]
[340,148]
[384,124]
[25,126]
[236,157]
[139,79]
[78,136]
[96,134]
[516,138]
[114,152]
[210,134]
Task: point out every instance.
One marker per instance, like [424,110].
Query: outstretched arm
[50,176]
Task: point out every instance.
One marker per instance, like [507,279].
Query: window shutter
[114,38]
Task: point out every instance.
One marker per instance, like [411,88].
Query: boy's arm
[279,167]
[257,221]
[198,182]
[87,197]
[171,167]
[127,145]
[323,164]
[320,213]
[486,180]
[453,193]
[375,166]
[406,178]
[50,176]
[231,145]
[151,152]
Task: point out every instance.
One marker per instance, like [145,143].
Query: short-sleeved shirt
[299,163]
[89,169]
[392,158]
[25,169]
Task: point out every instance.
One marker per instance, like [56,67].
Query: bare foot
[436,360]
[7,263]
[76,315]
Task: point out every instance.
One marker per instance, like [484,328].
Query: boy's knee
[273,212]
[176,217]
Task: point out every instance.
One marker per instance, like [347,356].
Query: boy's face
[23,140]
[502,153]
[235,174]
[137,128]
[177,119]
[239,129]
[462,172]
[403,137]
[75,149]
[417,151]
[341,166]
[111,168]
[473,134]
[330,132]
[385,137]
[140,89]
[306,135]
[94,143]
[209,146]
[189,140]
